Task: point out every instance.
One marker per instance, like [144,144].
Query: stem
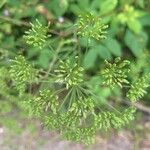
[137,105]
[23,23]
[78,47]
[98,98]
[56,54]
[54,59]
[66,97]
[142,107]
[60,90]
[71,98]
[45,81]
[15,21]
[87,46]
[126,86]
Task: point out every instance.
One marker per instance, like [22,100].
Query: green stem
[87,46]
[86,90]
[72,97]
[126,86]
[54,59]
[14,21]
[78,48]
[66,97]
[62,42]
[60,90]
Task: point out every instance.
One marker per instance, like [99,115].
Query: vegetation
[65,66]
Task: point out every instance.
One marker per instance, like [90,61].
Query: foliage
[71,118]
[70,87]
[129,17]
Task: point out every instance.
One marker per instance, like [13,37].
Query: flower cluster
[107,120]
[116,73]
[85,135]
[91,27]
[71,110]
[37,35]
[138,89]
[21,72]
[47,101]
[71,123]
[69,74]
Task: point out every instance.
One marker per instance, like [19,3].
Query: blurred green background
[128,36]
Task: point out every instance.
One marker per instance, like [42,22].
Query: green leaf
[134,25]
[75,9]
[135,43]
[103,52]
[89,59]
[95,4]
[44,58]
[84,41]
[83,3]
[145,20]
[108,5]
[2,3]
[58,7]
[113,46]
[102,92]
[93,53]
